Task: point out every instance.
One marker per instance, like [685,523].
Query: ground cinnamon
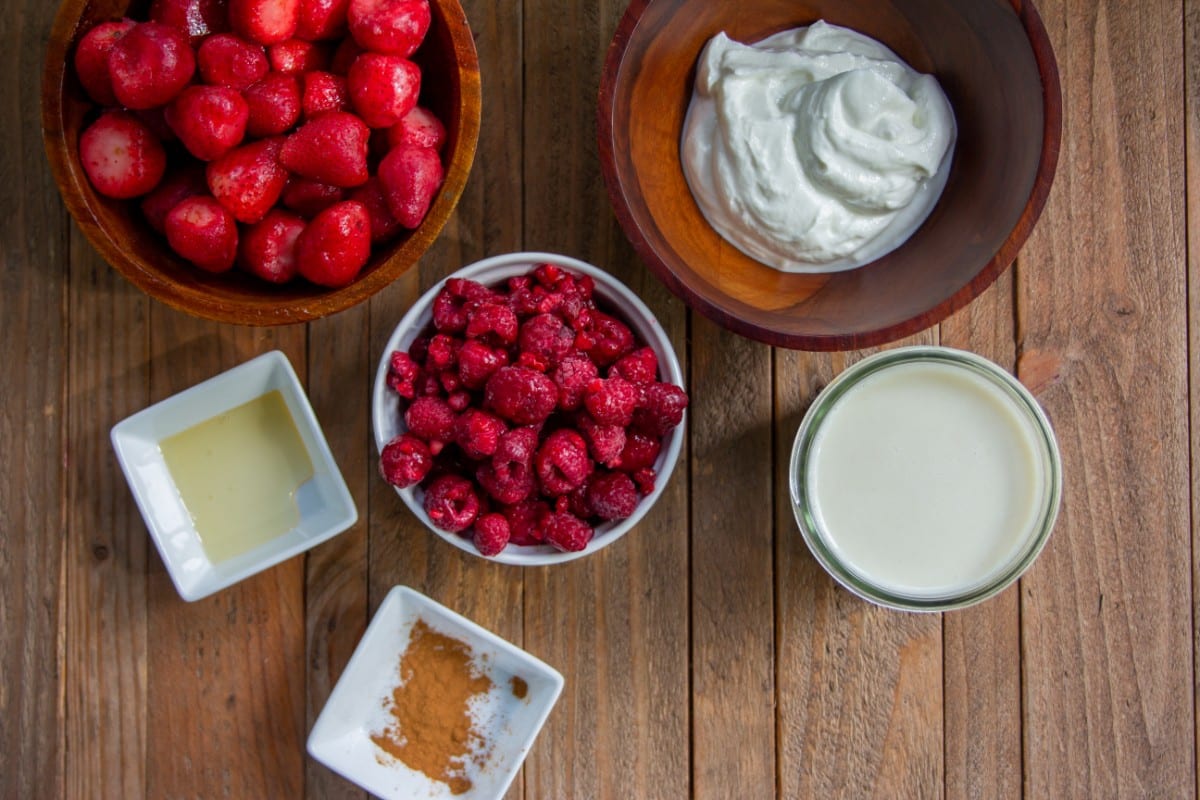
[431,729]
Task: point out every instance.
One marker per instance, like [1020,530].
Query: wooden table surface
[706,654]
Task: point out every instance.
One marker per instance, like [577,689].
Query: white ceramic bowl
[389,423]
[341,737]
[326,507]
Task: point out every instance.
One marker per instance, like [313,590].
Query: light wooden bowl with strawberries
[450,88]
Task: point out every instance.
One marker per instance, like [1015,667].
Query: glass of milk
[925,479]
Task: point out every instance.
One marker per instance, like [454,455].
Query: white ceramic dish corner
[356,708]
[389,423]
[325,505]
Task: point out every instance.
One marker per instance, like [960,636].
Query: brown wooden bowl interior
[995,64]
[450,88]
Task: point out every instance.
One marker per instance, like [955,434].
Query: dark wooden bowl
[450,88]
[993,60]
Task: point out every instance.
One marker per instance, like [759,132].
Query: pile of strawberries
[258,132]
[532,416]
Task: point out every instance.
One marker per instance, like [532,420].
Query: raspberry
[640,451]
[645,478]
[605,442]
[611,401]
[491,533]
[562,462]
[450,304]
[520,395]
[639,367]
[546,336]
[477,362]
[451,503]
[576,501]
[532,361]
[572,377]
[442,354]
[609,339]
[517,446]
[431,419]
[450,381]
[567,532]
[478,433]
[549,275]
[660,410]
[459,401]
[492,322]
[525,522]
[612,496]
[428,384]
[406,461]
[506,482]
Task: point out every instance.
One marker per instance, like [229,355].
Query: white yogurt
[816,149]
[928,480]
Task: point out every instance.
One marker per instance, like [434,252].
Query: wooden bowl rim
[196,300]
[1047,67]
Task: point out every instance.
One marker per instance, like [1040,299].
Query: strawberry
[332,148]
[321,92]
[156,120]
[295,55]
[248,180]
[411,177]
[268,249]
[182,182]
[121,156]
[265,21]
[373,197]
[336,244]
[150,64]
[274,104]
[91,59]
[417,128]
[227,60]
[322,19]
[383,88]
[389,26]
[308,197]
[344,56]
[196,18]
[202,231]
[209,120]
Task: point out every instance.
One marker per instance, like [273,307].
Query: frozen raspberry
[521,395]
[506,482]
[572,377]
[492,322]
[577,306]
[402,374]
[567,532]
[406,461]
[450,381]
[431,419]
[532,361]
[639,367]
[517,446]
[562,462]
[576,502]
[606,340]
[546,336]
[525,522]
[478,433]
[612,496]
[645,478]
[451,304]
[443,353]
[549,275]
[605,442]
[640,451]
[660,410]
[428,384]
[477,362]
[491,533]
[460,401]
[611,401]
[451,503]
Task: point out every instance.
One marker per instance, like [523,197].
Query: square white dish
[325,505]
[357,707]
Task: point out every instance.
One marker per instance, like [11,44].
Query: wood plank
[1102,312]
[226,684]
[981,646]
[1191,85]
[615,624]
[859,687]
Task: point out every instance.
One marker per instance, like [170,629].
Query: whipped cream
[816,149]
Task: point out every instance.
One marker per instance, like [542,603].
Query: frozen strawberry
[383,225]
[196,18]
[150,64]
[490,534]
[411,176]
[321,19]
[308,197]
[383,88]
[91,59]
[274,104]
[180,183]
[296,56]
[335,245]
[265,21]
[405,461]
[202,231]
[331,148]
[345,56]
[268,248]
[227,60]
[209,120]
[248,180]
[321,92]
[389,26]
[417,128]
[120,156]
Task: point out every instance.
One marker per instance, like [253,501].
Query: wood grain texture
[1104,631]
[1191,85]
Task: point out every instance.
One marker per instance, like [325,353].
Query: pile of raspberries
[532,416]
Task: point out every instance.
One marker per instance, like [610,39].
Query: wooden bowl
[450,88]
[995,64]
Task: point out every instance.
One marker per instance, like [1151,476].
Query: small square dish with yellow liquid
[233,476]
